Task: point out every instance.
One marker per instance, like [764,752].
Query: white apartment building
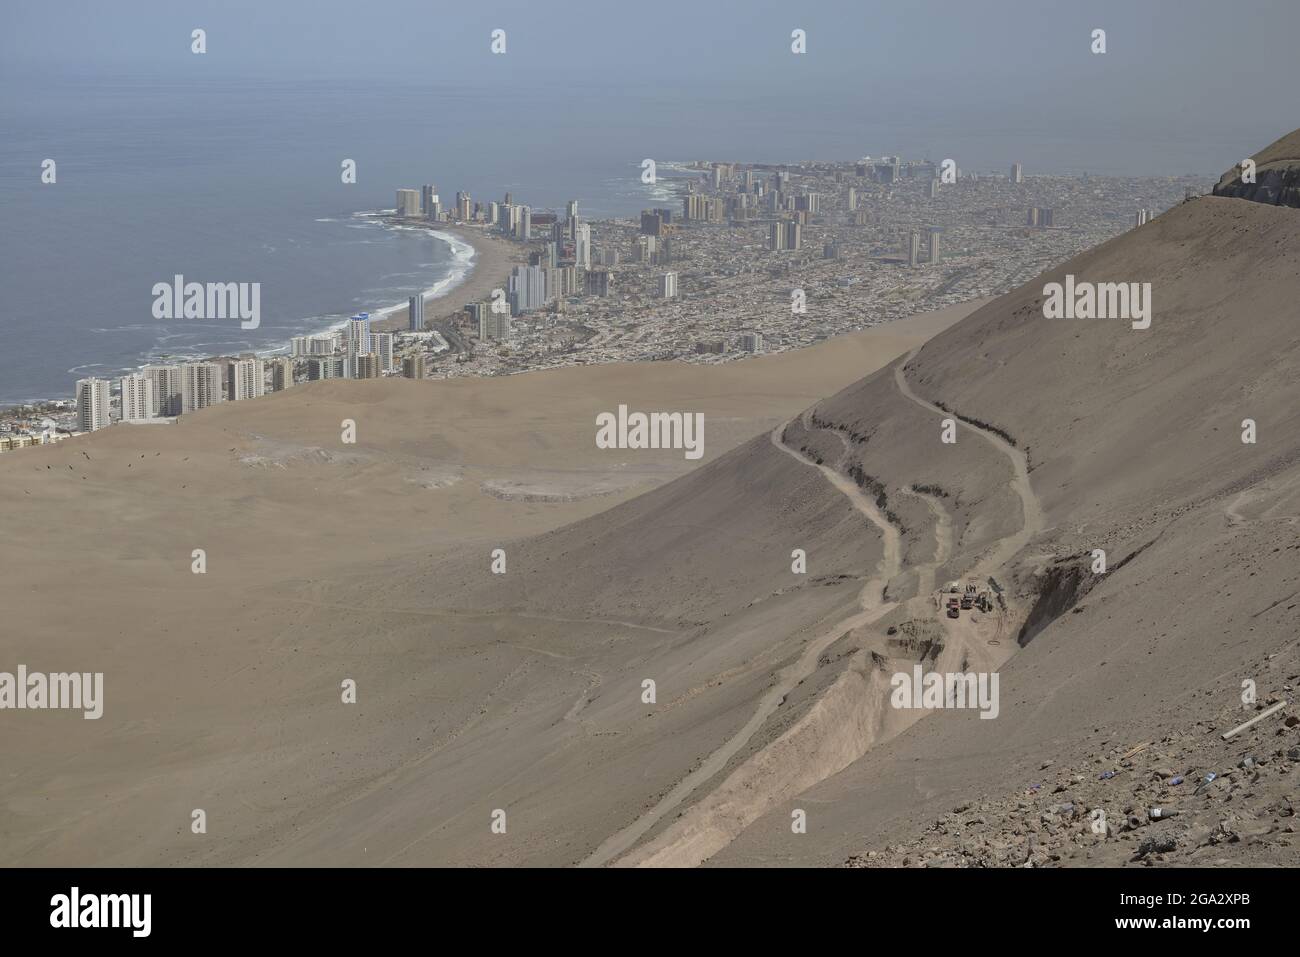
[168,389]
[281,374]
[92,404]
[200,385]
[245,379]
[408,202]
[381,345]
[137,397]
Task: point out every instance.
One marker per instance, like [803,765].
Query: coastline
[488,270]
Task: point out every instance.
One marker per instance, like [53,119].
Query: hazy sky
[1201,80]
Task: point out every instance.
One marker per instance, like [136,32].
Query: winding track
[1031,509]
[872,606]
[871,601]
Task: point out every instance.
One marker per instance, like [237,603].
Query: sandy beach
[493,258]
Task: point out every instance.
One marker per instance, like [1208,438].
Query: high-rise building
[494,325]
[365,366]
[527,289]
[415,305]
[428,196]
[464,207]
[571,210]
[245,379]
[1143,216]
[934,189]
[810,202]
[137,397]
[312,345]
[552,255]
[413,366]
[643,249]
[168,389]
[524,223]
[785,235]
[408,202]
[327,367]
[934,245]
[561,282]
[668,286]
[381,346]
[699,208]
[600,282]
[474,312]
[281,374]
[1017,173]
[200,385]
[359,334]
[582,247]
[913,247]
[92,404]
[751,341]
[852,202]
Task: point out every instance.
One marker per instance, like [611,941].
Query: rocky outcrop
[1276,175]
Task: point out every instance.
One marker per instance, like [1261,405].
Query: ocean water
[230,181]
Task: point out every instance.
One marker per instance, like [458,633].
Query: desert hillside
[222,689]
[1071,435]
[1132,443]
[667,659]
